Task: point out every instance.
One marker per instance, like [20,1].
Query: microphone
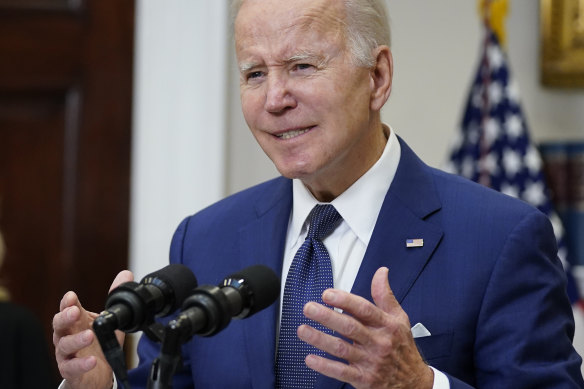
[210,308]
[132,306]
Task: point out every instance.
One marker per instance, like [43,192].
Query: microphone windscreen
[179,278]
[263,284]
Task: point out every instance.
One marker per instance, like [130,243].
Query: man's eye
[253,75]
[303,66]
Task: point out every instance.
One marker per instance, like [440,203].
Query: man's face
[305,102]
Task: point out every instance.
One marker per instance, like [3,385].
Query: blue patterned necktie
[309,275]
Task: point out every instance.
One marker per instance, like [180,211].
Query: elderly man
[477,294]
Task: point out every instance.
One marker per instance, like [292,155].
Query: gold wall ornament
[562,36]
[494,13]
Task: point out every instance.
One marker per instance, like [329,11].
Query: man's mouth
[293,133]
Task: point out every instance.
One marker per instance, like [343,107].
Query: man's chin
[293,170]
[294,174]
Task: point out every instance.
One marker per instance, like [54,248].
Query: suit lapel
[262,241]
[388,248]
[411,199]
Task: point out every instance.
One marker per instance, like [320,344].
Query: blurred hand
[79,356]
[383,353]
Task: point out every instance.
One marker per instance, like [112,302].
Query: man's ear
[381,77]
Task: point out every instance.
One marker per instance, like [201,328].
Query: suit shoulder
[243,205]
[463,193]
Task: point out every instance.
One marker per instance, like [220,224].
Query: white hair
[367,27]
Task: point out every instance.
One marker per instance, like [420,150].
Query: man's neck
[334,181]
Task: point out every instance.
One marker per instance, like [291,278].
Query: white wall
[435,50]
[179,121]
[436,47]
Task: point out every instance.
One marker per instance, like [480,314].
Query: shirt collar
[369,189]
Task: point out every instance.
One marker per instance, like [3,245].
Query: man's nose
[279,97]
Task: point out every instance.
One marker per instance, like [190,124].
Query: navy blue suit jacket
[487,283]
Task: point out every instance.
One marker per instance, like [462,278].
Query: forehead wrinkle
[325,19]
[329,19]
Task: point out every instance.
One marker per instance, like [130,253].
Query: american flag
[493,145]
[414,242]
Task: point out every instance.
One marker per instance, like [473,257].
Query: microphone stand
[164,367]
[104,327]
[207,314]
[105,331]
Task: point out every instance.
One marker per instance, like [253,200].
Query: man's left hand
[383,353]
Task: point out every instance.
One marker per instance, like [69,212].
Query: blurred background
[118,118]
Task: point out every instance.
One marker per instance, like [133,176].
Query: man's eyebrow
[299,57]
[246,66]
[306,56]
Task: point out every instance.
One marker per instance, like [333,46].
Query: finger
[347,326]
[73,368]
[123,276]
[329,344]
[68,300]
[334,369]
[357,306]
[64,321]
[381,291]
[92,316]
[71,344]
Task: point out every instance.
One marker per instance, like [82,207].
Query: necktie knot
[323,220]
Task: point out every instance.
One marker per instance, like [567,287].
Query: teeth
[292,134]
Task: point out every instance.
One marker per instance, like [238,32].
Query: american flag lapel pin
[414,242]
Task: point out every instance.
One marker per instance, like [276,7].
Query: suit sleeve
[525,326]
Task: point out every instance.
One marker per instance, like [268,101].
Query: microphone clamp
[205,312]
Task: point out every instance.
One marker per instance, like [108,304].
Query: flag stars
[477,97]
[511,162]
[563,255]
[557,225]
[492,130]
[510,190]
[514,126]
[533,160]
[512,92]
[495,57]
[534,193]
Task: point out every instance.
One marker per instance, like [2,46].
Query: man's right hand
[79,356]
